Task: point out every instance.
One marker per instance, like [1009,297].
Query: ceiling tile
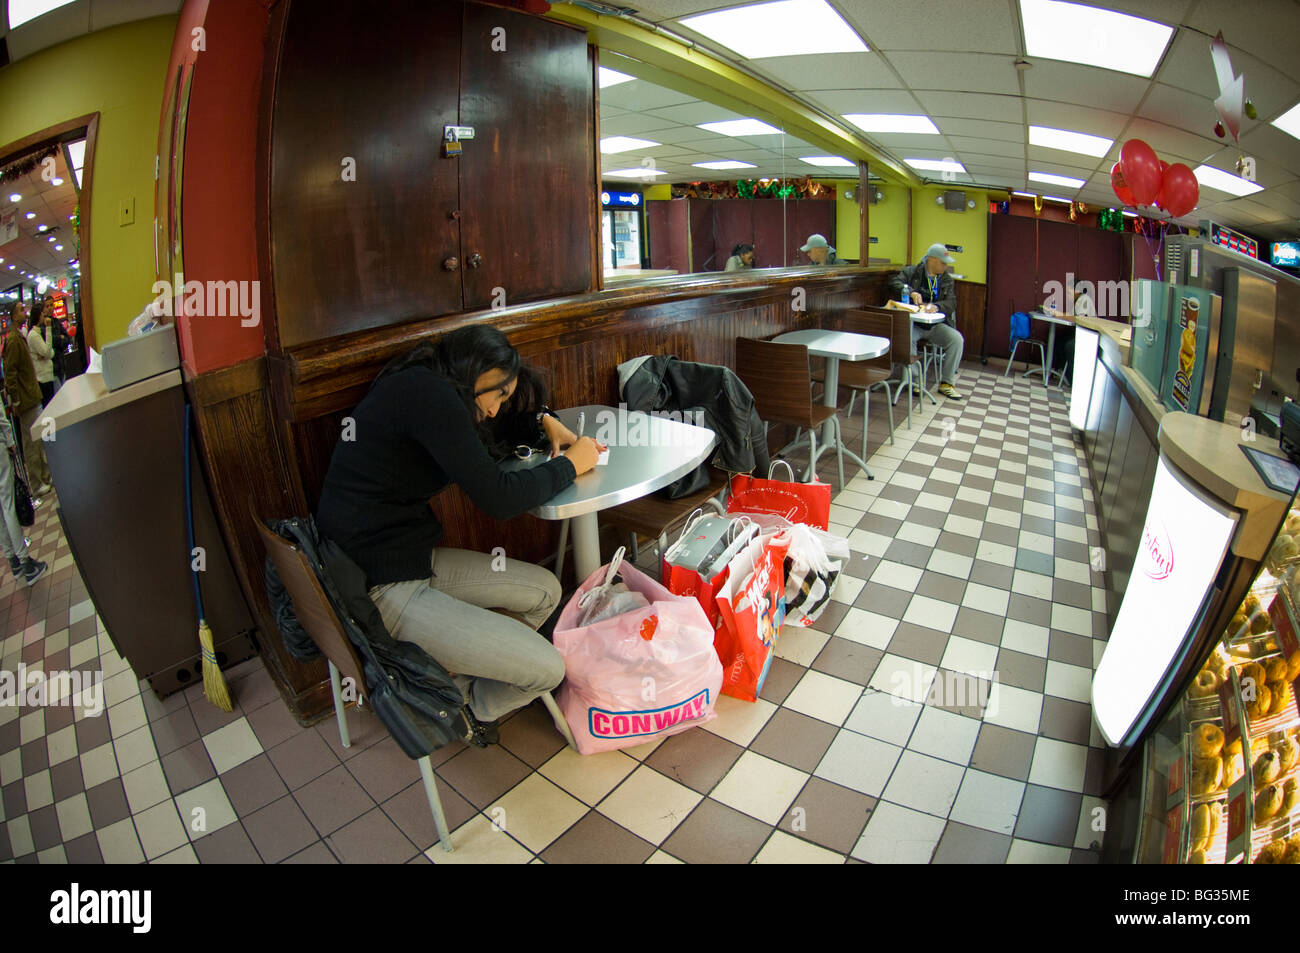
[829,71]
[992,147]
[870,100]
[994,161]
[1269,144]
[1063,82]
[976,72]
[971,105]
[1256,26]
[641,95]
[980,128]
[1070,163]
[1094,122]
[1167,141]
[984,26]
[696,112]
[634,124]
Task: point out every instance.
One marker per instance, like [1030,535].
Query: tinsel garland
[24,166]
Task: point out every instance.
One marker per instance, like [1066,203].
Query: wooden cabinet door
[528,178]
[373,84]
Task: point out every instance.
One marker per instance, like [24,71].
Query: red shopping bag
[798,502]
[700,570]
[751,606]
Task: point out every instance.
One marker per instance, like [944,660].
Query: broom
[214,683]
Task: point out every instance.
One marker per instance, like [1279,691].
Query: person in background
[933,289]
[40,340]
[430,420]
[25,397]
[12,540]
[742,258]
[1082,307]
[819,251]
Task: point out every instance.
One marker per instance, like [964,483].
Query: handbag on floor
[639,675]
[798,502]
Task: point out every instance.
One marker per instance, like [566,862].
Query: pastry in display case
[1229,750]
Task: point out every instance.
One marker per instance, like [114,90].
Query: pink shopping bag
[643,674]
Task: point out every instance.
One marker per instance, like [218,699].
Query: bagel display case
[1226,758]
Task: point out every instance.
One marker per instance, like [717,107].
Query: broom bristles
[214,682]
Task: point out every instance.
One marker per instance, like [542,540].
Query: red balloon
[1179,190]
[1119,186]
[1141,170]
[1159,199]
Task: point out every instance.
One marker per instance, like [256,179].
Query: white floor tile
[858,762]
[903,677]
[986,599]
[1025,637]
[988,801]
[897,835]
[782,848]
[824,697]
[800,644]
[898,575]
[946,735]
[1014,708]
[963,525]
[865,628]
[535,812]
[649,804]
[739,721]
[1072,619]
[916,533]
[760,787]
[884,716]
[970,657]
[931,613]
[1034,584]
[588,777]
[1031,852]
[477,842]
[1069,681]
[934,501]
[950,564]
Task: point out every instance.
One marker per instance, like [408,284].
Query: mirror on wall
[687,182]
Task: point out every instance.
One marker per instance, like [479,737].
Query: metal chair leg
[564,542]
[866,419]
[839,448]
[557,716]
[631,546]
[853,395]
[812,452]
[336,683]
[435,803]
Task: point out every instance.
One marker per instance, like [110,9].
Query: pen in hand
[582,423]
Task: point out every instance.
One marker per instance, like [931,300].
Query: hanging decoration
[1038,204]
[23,166]
[1074,215]
[1141,168]
[804,188]
[1110,220]
[1232,89]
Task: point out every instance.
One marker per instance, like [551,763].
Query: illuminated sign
[1286,254]
[620,199]
[1234,241]
[1183,545]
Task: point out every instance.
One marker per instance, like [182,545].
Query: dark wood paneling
[666,222]
[804,218]
[972,309]
[1011,278]
[526,178]
[704,248]
[360,254]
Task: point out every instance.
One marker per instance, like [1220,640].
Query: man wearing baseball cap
[934,290]
[819,251]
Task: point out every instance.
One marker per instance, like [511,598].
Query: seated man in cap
[934,290]
[819,251]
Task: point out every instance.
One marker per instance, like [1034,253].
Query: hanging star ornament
[1232,88]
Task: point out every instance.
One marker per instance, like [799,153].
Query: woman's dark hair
[741,249]
[34,316]
[461,357]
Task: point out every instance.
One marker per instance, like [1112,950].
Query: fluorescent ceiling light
[741,127]
[1050,179]
[784,28]
[828,161]
[608,77]
[20,11]
[888,122]
[1028,195]
[56,182]
[31,215]
[15,197]
[633,173]
[41,228]
[1214,178]
[724,164]
[1289,121]
[936,165]
[1056,198]
[1067,141]
[616,144]
[1074,33]
[1126,213]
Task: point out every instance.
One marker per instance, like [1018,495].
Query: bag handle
[691,521]
[597,590]
[779,463]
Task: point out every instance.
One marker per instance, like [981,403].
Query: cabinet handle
[450,264]
[454,215]
[474,260]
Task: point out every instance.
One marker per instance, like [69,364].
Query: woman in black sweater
[428,421]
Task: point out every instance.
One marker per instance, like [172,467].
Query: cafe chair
[1019,336]
[897,326]
[932,355]
[316,615]
[778,376]
[654,516]
[866,376]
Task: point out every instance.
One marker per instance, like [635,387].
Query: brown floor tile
[597,840]
[482,775]
[996,533]
[108,804]
[961,844]
[1031,561]
[155,707]
[989,574]
[253,690]
[9,736]
[302,758]
[716,834]
[92,732]
[782,677]
[318,853]
[828,815]
[174,731]
[253,785]
[273,724]
[1004,752]
[279,830]
[1020,670]
[83,850]
[969,510]
[1038,524]
[332,800]
[957,543]
[14,798]
[45,827]
[1028,609]
[1066,549]
[35,757]
[65,779]
[1003,502]
[187,767]
[371,839]
[1096,772]
[409,810]
[958,693]
[937,585]
[230,845]
[1048,816]
[831,617]
[365,729]
[850,661]
[880,524]
[919,643]
[530,735]
[1070,648]
[698,759]
[208,717]
[975,483]
[384,769]
[899,494]
[923,516]
[1065,720]
[884,600]
[795,739]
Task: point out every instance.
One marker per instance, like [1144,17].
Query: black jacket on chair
[412,694]
[664,384]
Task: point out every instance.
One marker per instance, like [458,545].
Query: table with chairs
[1020,330]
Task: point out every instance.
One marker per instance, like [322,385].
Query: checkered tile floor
[937,712]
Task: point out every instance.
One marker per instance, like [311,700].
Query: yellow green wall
[931,223]
[118,73]
[658,192]
[889,224]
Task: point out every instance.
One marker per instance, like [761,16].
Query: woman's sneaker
[478,733]
[949,391]
[16,565]
[33,570]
